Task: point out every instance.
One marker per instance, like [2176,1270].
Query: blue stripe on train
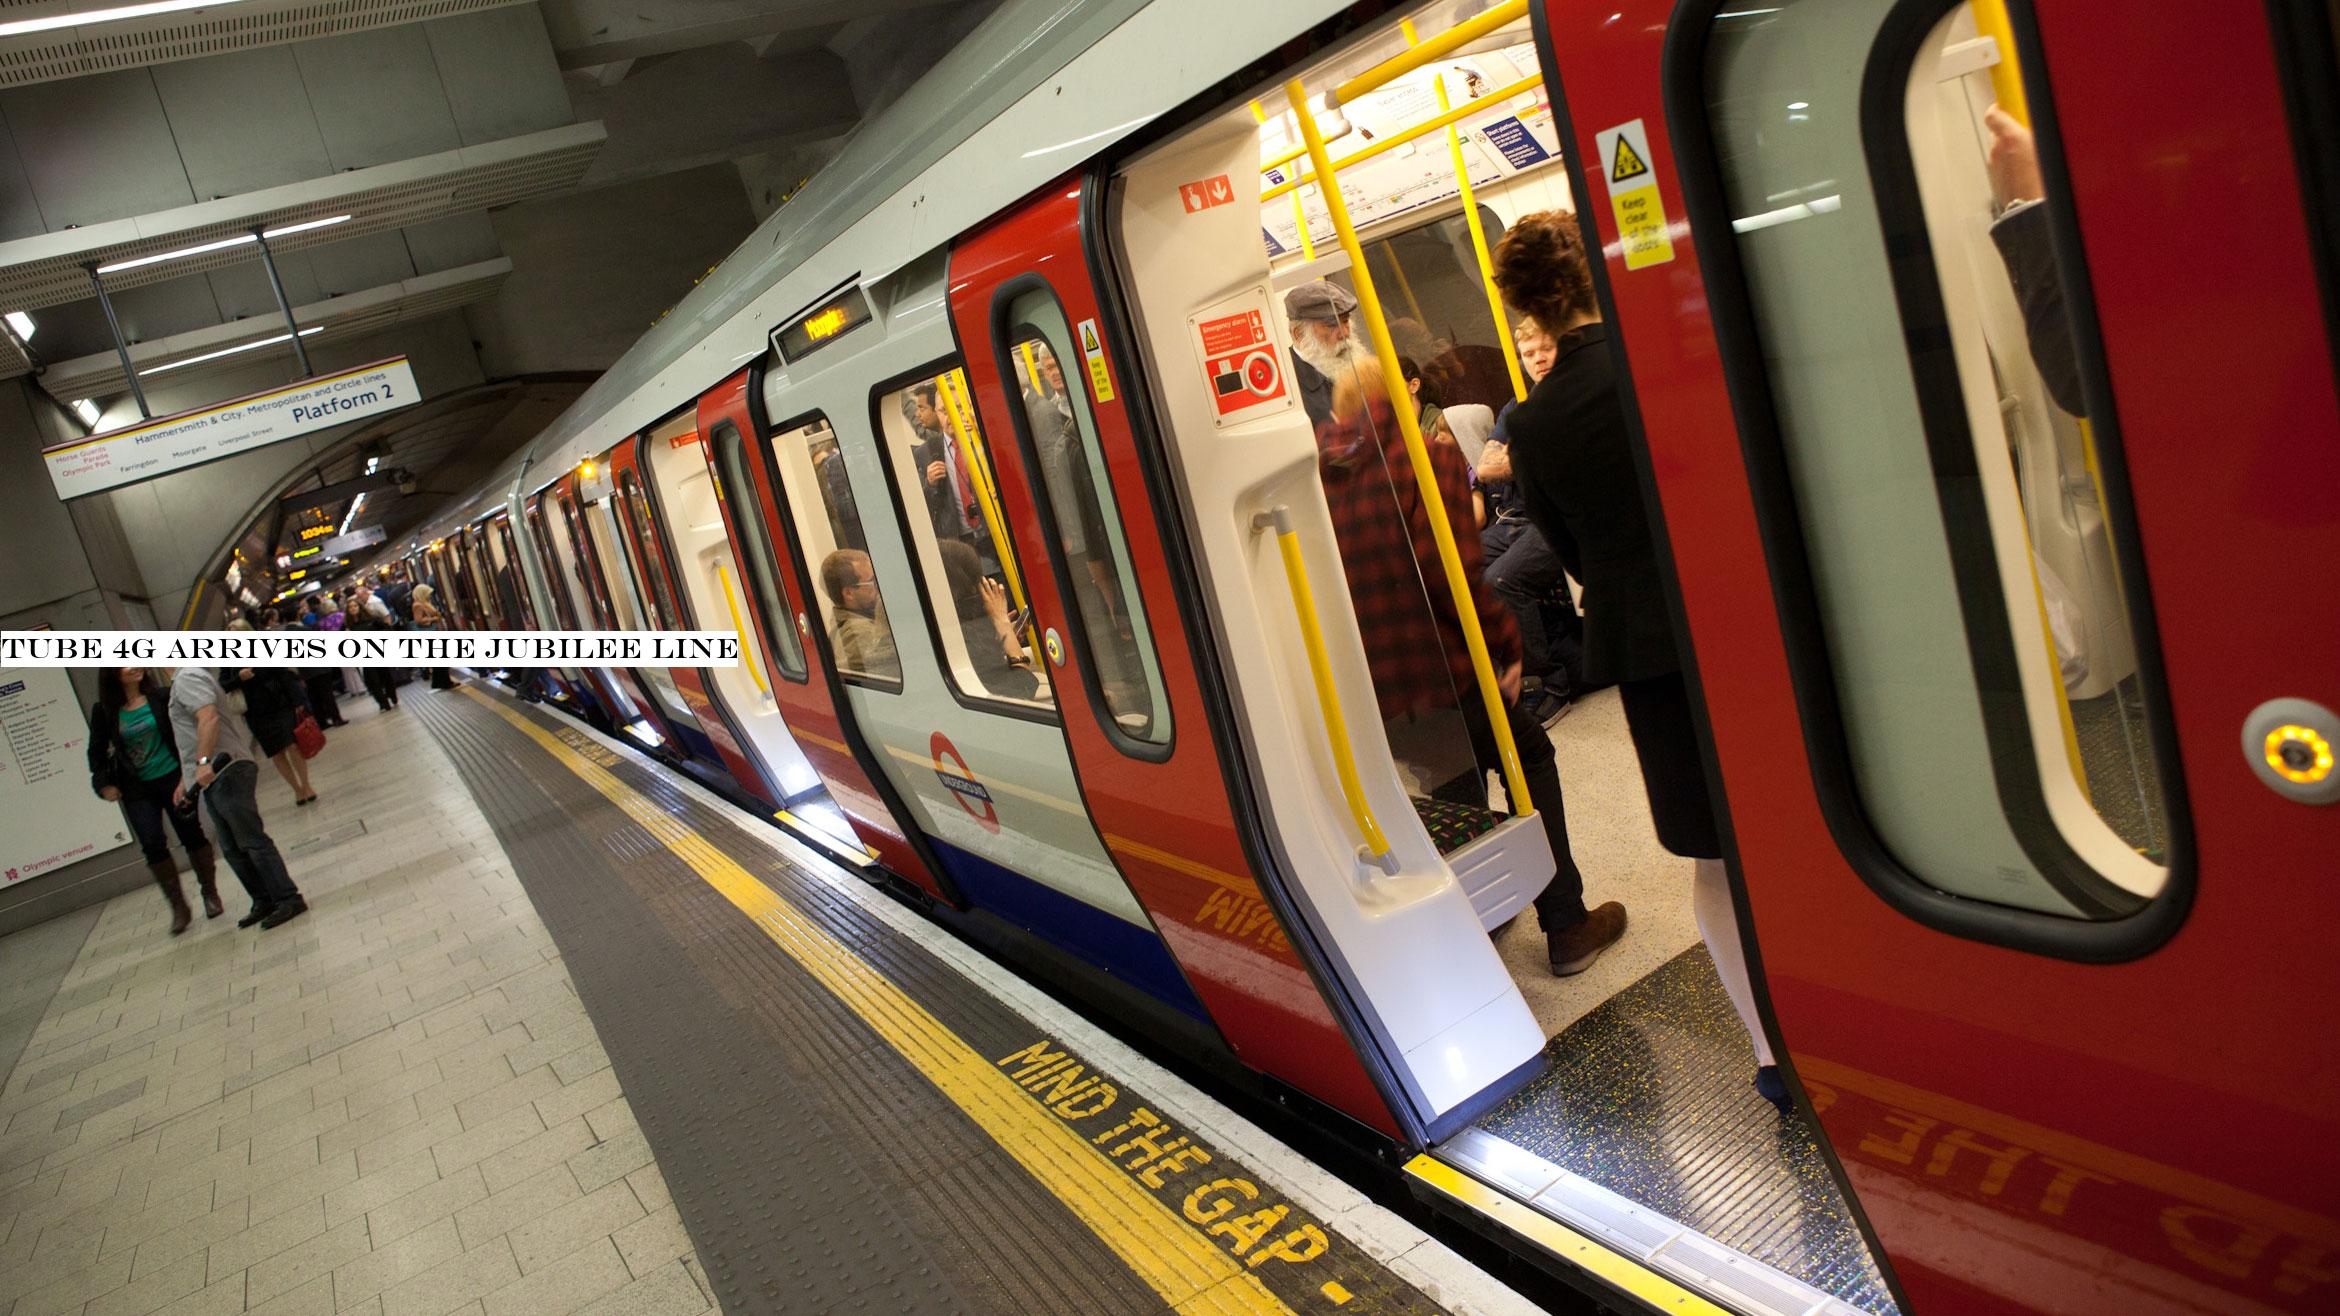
[1126,951]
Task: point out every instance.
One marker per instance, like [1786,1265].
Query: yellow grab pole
[1453,38]
[748,654]
[1299,212]
[1466,613]
[1990,19]
[1328,695]
[1470,202]
[1425,127]
[986,497]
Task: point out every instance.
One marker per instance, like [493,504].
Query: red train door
[1997,491]
[1029,319]
[755,516]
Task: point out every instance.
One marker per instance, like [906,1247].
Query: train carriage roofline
[954,151]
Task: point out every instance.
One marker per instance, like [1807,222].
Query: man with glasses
[863,639]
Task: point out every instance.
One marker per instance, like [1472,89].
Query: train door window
[625,600]
[1908,287]
[1428,274]
[584,596]
[517,604]
[1114,645]
[777,624]
[853,610]
[641,527]
[556,601]
[941,475]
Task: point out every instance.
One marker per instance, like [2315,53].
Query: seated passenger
[1388,550]
[863,640]
[993,647]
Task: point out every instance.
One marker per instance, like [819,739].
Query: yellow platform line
[1188,1270]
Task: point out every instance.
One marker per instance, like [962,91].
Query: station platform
[563,1032]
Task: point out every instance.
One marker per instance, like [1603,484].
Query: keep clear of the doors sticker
[1633,195]
[1241,364]
[1093,352]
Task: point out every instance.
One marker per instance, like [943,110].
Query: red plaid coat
[1413,643]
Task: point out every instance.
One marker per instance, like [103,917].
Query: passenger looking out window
[861,636]
[1573,459]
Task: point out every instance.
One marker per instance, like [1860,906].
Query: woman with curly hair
[1573,459]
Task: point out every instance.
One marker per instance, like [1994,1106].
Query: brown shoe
[1573,950]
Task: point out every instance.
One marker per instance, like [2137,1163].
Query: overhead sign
[1239,356]
[174,443]
[344,545]
[1633,195]
[49,817]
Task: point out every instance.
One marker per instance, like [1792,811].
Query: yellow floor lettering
[1187,1269]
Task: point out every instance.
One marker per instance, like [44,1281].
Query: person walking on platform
[225,770]
[134,761]
[427,617]
[365,613]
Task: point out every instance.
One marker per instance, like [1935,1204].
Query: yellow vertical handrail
[1470,203]
[1328,693]
[1990,19]
[986,496]
[1458,585]
[1299,211]
[748,653]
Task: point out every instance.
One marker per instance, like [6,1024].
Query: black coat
[106,764]
[1573,460]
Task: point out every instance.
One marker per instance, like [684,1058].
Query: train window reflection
[777,624]
[828,521]
[1079,511]
[1983,650]
[967,572]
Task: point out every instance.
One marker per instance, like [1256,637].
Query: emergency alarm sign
[1241,362]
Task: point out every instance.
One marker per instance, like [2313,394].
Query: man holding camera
[225,769]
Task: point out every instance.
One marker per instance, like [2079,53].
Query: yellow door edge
[1610,1267]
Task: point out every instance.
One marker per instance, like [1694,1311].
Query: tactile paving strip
[1649,1096]
[813,1166]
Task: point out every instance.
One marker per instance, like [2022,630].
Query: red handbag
[308,735]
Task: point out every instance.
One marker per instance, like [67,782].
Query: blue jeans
[235,816]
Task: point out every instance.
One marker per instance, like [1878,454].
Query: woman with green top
[134,761]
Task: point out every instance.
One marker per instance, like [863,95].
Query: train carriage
[1990,520]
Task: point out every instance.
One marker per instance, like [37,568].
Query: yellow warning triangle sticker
[1627,164]
[1088,337]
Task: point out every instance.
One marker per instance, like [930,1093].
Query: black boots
[206,861]
[166,876]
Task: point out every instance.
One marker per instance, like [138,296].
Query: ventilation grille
[335,318]
[13,361]
[72,52]
[51,269]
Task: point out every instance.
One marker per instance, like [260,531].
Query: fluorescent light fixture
[230,351]
[373,464]
[222,244]
[23,325]
[1799,105]
[116,14]
[351,515]
[88,411]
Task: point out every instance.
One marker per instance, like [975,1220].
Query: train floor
[563,1033]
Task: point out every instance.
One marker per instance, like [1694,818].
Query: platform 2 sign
[48,816]
[174,443]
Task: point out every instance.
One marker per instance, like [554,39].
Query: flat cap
[1319,300]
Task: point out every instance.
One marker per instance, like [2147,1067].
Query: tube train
[1991,522]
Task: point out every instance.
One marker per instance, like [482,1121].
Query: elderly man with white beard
[1324,345]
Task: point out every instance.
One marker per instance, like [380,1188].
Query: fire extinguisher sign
[1241,362]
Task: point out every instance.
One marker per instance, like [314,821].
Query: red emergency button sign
[1240,361]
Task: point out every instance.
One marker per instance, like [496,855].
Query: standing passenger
[134,761]
[225,772]
[1573,457]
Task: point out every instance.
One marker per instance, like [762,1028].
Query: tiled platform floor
[393,1105]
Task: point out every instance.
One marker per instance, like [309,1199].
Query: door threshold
[1619,1243]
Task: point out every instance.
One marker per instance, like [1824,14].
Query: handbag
[308,735]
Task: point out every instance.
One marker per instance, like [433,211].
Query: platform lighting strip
[229,351]
[221,245]
[351,515]
[54,22]
[23,325]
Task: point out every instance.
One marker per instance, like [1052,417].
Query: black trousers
[321,683]
[1526,574]
[147,808]
[1561,906]
[380,685]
